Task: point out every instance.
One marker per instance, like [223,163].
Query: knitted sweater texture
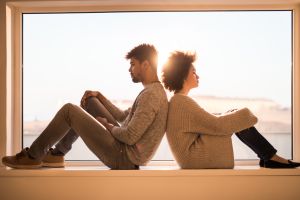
[143,125]
[199,139]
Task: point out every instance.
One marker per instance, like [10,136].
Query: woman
[199,139]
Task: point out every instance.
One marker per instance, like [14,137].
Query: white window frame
[13,76]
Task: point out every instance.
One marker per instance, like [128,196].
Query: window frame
[14,11]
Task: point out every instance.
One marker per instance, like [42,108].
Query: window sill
[145,171]
[165,182]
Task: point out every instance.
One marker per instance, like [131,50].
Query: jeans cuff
[269,155]
[62,149]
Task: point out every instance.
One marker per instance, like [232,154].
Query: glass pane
[244,60]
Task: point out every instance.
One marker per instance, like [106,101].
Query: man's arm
[144,115]
[116,112]
[105,123]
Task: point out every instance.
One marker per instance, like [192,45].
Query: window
[244,60]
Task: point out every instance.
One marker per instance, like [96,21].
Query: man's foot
[51,160]
[21,160]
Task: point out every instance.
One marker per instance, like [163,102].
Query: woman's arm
[225,124]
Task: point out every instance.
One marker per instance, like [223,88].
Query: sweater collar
[151,84]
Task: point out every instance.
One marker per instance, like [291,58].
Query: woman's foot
[277,158]
[296,164]
[278,162]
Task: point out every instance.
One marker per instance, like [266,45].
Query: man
[119,147]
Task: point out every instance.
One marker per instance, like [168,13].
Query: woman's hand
[86,95]
[105,123]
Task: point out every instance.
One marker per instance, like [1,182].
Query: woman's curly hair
[176,70]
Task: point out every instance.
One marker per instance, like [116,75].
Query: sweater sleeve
[116,112]
[226,124]
[143,116]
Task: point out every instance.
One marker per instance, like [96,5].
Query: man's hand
[105,123]
[86,95]
[232,110]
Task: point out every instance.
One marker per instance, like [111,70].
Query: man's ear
[146,65]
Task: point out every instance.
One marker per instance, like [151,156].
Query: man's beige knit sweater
[143,125]
[199,139]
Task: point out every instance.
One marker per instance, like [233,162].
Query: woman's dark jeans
[253,139]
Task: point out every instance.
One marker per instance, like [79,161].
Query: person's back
[198,139]
[192,150]
[153,101]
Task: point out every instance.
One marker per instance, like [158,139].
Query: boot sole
[22,166]
[54,165]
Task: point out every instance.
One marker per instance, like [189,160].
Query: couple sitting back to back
[198,139]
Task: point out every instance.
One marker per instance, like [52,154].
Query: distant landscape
[274,123]
[272,117]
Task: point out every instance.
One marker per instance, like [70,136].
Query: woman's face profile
[192,80]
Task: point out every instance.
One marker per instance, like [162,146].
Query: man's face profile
[135,70]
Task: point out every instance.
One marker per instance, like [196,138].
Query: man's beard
[135,79]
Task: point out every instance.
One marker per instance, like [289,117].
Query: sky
[239,54]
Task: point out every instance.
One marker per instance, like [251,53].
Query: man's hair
[144,52]
[176,70]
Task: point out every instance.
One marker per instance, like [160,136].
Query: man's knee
[67,107]
[92,104]
[70,106]
[91,101]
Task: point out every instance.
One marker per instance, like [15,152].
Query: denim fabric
[253,139]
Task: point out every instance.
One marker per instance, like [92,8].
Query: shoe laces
[22,153]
